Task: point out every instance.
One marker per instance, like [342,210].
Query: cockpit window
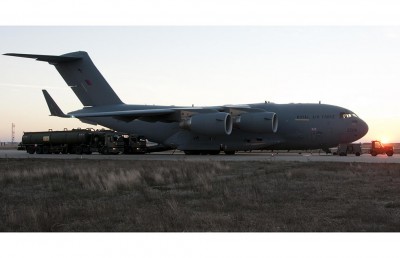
[345,115]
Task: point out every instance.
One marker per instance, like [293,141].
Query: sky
[356,67]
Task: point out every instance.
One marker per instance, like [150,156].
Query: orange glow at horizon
[385,140]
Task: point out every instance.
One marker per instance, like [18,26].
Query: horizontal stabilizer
[46,58]
[82,76]
[53,107]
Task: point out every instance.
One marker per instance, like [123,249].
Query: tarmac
[241,156]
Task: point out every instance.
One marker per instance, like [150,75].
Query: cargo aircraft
[203,130]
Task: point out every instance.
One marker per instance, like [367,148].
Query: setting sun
[385,140]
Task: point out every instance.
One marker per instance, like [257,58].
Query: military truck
[134,144]
[349,148]
[378,148]
[75,141]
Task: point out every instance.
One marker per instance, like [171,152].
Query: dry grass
[78,195]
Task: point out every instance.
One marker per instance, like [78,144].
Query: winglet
[53,107]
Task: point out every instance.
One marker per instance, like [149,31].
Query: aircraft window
[347,115]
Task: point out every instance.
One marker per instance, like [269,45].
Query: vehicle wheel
[78,150]
[46,150]
[39,150]
[86,150]
[358,154]
[30,150]
[374,153]
[389,153]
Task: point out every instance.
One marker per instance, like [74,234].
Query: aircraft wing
[151,115]
[164,114]
[126,115]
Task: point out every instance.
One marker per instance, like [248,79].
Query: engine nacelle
[209,124]
[257,122]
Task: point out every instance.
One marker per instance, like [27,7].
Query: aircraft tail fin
[79,72]
[53,107]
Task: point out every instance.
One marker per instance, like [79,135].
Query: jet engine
[257,122]
[209,124]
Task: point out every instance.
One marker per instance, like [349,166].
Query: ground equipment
[349,148]
[378,148]
[75,141]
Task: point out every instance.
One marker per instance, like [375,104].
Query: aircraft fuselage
[301,126]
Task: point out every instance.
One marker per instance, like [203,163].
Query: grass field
[158,196]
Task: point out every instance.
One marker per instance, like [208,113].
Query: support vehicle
[378,148]
[349,148]
[75,141]
[134,144]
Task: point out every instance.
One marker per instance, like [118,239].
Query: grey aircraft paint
[203,129]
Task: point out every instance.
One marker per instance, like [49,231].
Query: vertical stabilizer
[79,72]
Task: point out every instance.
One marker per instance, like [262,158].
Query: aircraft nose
[363,128]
